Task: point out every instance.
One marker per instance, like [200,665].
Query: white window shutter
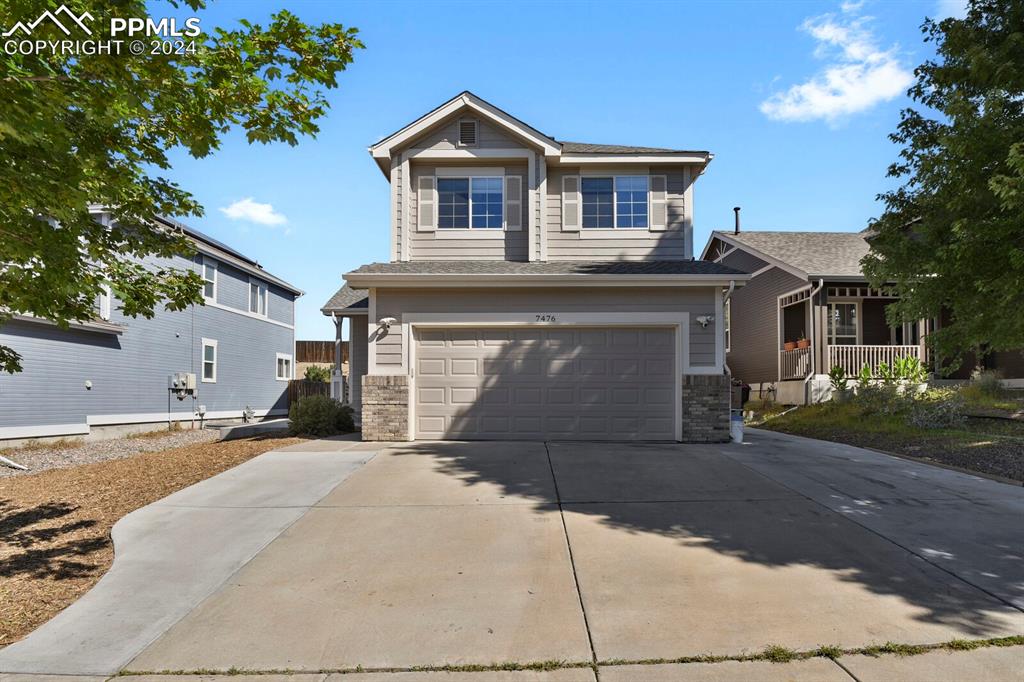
[659,203]
[571,204]
[426,204]
[513,202]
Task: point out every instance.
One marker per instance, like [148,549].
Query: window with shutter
[571,203]
[467,133]
[425,204]
[659,202]
[513,202]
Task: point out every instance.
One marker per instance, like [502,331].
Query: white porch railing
[795,364]
[853,358]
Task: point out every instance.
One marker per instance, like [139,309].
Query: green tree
[78,130]
[952,236]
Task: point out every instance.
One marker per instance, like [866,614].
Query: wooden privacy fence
[319,352]
[303,388]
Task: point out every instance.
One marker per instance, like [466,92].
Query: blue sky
[795,99]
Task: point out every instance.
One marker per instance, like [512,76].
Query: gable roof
[816,254]
[382,149]
[560,151]
[348,300]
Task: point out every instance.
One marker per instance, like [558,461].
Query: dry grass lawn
[55,526]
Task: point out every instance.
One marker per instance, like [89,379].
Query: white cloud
[255,212]
[950,8]
[857,76]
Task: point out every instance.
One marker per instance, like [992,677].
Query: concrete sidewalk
[174,553]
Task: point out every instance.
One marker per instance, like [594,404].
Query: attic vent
[467,133]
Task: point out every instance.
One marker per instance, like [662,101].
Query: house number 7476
[545,318]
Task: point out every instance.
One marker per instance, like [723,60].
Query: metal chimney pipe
[736,210]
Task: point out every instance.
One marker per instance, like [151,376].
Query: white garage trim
[679,321]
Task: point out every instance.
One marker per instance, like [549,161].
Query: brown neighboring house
[808,307]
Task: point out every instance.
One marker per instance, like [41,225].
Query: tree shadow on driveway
[761,553]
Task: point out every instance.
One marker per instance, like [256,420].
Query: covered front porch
[840,324]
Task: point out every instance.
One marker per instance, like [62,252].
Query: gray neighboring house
[536,289]
[110,374]
[810,285]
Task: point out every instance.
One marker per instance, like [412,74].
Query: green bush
[884,398]
[318,373]
[937,409]
[320,416]
[987,384]
[837,377]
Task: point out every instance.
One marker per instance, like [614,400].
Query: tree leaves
[951,240]
[94,130]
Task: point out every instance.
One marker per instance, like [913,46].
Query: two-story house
[110,374]
[537,289]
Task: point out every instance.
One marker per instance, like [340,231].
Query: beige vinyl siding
[741,260]
[446,136]
[428,246]
[358,356]
[397,194]
[671,244]
[754,354]
[695,301]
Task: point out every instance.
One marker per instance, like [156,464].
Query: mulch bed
[55,525]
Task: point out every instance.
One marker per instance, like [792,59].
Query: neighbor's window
[209,279]
[209,361]
[618,202]
[842,324]
[284,367]
[257,297]
[470,202]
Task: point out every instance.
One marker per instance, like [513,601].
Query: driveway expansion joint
[572,564]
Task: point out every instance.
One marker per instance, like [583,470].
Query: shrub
[837,377]
[864,377]
[882,398]
[318,373]
[986,383]
[319,415]
[910,369]
[937,409]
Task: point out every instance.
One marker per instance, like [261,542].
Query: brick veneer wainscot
[706,402]
[385,407]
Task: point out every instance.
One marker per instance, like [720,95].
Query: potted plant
[803,341]
[789,345]
[841,390]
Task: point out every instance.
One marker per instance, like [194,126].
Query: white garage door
[545,383]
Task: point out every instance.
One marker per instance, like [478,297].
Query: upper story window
[258,297]
[615,202]
[209,279]
[475,202]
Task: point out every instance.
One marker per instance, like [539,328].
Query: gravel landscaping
[55,525]
[70,453]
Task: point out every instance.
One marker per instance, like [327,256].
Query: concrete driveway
[433,554]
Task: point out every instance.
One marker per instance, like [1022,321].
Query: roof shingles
[819,254]
[502,267]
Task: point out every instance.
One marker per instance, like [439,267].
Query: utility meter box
[181,382]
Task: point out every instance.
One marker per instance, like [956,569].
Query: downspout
[814,340]
[725,299]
